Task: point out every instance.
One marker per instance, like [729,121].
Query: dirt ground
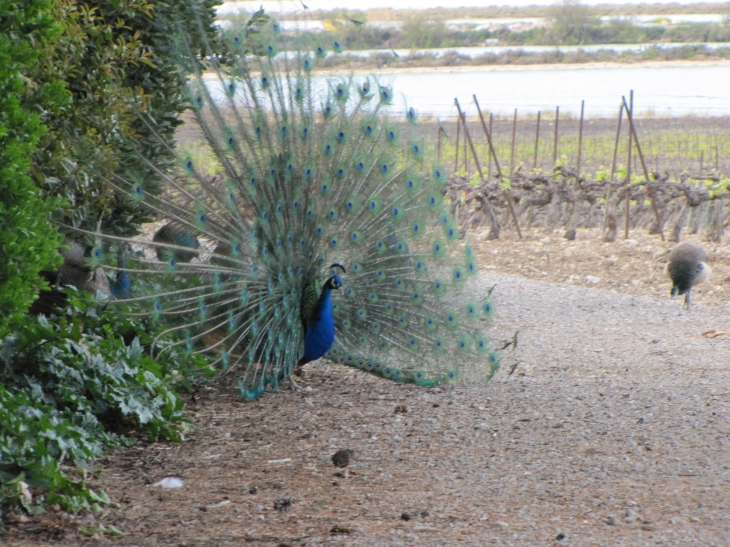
[632,266]
[608,425]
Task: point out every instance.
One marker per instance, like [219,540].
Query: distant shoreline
[543,66]
[513,67]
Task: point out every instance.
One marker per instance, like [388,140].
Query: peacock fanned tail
[297,170]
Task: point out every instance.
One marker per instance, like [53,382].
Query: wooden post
[580,135]
[555,143]
[629,111]
[467,138]
[716,169]
[512,150]
[466,156]
[491,120]
[613,165]
[496,163]
[718,218]
[489,137]
[632,129]
[458,131]
[537,140]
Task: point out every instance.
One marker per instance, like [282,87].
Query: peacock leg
[294,385]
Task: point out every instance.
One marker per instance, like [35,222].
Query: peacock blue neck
[122,285]
[320,333]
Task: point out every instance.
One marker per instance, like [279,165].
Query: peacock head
[334,281]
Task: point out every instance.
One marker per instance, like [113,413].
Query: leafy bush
[75,78]
[28,242]
[117,66]
[72,387]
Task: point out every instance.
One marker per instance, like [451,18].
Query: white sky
[425,4]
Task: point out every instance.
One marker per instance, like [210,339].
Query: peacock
[308,222]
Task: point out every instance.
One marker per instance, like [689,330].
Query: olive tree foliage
[418,32]
[572,23]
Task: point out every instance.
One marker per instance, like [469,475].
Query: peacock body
[303,184]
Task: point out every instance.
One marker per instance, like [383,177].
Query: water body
[661,88]
[664,89]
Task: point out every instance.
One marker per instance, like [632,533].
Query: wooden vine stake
[496,162]
[613,166]
[629,112]
[467,138]
[458,131]
[649,190]
[489,138]
[466,157]
[580,136]
[618,135]
[555,139]
[537,140]
[718,218]
[512,149]
[491,120]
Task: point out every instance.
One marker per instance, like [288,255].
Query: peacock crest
[307,208]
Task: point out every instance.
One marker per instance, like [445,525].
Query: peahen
[308,223]
[686,268]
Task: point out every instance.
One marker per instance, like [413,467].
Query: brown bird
[686,268]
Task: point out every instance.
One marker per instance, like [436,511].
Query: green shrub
[71,387]
[116,64]
[28,242]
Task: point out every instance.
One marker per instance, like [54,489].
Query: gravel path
[613,430]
